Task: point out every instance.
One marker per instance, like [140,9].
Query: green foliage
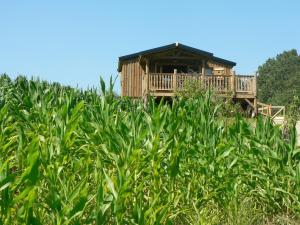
[76,157]
[191,89]
[278,80]
[293,112]
[194,89]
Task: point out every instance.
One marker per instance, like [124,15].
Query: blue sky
[74,42]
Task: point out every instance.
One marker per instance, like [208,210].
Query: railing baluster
[159,82]
[218,83]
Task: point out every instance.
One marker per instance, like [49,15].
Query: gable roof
[178,46]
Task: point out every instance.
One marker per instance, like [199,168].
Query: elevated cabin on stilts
[161,71]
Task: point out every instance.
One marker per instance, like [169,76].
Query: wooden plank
[174,85]
[140,80]
[126,80]
[255,105]
[137,79]
[203,68]
[233,87]
[134,80]
[130,78]
[254,86]
[122,81]
[141,76]
[249,102]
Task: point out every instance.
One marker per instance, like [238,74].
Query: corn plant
[69,156]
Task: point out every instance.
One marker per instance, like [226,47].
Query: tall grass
[77,157]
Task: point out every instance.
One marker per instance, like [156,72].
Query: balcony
[166,84]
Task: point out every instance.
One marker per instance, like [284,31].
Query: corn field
[80,157]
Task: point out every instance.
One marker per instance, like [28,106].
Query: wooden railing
[270,110]
[224,84]
[245,84]
[160,81]
[219,84]
[184,78]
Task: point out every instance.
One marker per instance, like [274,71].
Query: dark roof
[180,46]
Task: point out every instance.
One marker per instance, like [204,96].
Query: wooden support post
[175,80]
[203,74]
[147,75]
[146,83]
[255,106]
[233,86]
[147,66]
[255,94]
[254,86]
[203,69]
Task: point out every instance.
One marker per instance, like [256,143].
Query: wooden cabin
[164,70]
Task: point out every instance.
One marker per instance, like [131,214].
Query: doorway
[170,68]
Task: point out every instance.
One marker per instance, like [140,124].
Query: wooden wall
[131,78]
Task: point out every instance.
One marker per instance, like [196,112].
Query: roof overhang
[170,47]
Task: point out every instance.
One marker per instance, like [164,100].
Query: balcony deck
[166,84]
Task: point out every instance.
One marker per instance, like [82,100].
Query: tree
[279,79]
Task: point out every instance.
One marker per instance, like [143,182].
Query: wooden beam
[199,68]
[255,106]
[145,88]
[233,88]
[176,57]
[147,66]
[175,80]
[254,86]
[249,102]
[203,69]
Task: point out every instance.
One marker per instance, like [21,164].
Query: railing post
[175,80]
[255,94]
[203,74]
[233,86]
[203,69]
[254,86]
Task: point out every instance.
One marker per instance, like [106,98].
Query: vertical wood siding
[131,78]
